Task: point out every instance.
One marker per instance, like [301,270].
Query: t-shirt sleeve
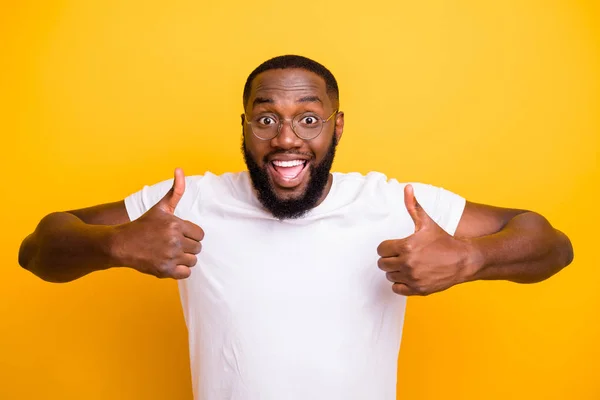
[140,202]
[444,207]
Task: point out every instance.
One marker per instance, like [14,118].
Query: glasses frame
[291,123]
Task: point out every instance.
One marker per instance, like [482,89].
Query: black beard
[290,208]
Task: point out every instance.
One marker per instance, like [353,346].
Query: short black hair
[294,61]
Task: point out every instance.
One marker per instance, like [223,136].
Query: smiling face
[290,174]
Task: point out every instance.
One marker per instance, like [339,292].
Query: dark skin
[490,242]
[101,237]
[287,93]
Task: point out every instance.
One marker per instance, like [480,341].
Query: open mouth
[288,173]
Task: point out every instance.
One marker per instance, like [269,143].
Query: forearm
[64,248]
[527,250]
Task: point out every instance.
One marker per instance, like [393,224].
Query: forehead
[281,84]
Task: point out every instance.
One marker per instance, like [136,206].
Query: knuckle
[174,228]
[173,241]
[170,254]
[407,247]
[420,290]
[409,263]
[163,270]
[412,274]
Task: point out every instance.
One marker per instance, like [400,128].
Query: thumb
[416,212]
[171,199]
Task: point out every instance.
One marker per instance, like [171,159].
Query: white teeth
[284,164]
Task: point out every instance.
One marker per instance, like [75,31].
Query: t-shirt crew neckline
[316,211]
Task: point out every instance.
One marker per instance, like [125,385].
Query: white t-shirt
[295,309]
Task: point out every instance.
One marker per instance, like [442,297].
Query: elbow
[562,253]
[566,249]
[26,252]
[31,252]
[28,260]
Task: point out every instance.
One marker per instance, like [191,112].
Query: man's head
[290,170]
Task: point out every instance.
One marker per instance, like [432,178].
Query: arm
[68,245]
[514,245]
[489,243]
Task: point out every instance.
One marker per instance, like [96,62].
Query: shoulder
[382,184]
[360,182]
[378,191]
[371,191]
[377,185]
[232,183]
[231,189]
[196,187]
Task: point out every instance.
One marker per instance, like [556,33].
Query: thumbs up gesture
[428,261]
[159,243]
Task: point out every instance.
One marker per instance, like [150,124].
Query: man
[298,289]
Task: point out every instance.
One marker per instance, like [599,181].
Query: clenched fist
[428,261]
[159,243]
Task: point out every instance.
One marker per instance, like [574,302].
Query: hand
[428,261]
[158,243]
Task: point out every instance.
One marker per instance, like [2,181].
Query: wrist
[474,260]
[112,246]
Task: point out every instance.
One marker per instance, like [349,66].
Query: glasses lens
[264,127]
[307,126]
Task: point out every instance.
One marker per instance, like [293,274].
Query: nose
[286,139]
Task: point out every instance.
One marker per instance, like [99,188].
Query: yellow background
[498,101]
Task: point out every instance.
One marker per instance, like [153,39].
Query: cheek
[319,148]
[258,150]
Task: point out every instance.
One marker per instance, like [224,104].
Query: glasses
[306,126]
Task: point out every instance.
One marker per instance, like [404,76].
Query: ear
[339,125]
[243,117]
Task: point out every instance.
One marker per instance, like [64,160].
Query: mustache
[266,158]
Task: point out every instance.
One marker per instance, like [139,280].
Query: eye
[309,120]
[266,120]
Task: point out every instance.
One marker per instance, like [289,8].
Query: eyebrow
[261,100]
[309,99]
[305,99]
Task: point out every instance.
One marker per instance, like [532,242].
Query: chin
[293,193]
[288,193]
